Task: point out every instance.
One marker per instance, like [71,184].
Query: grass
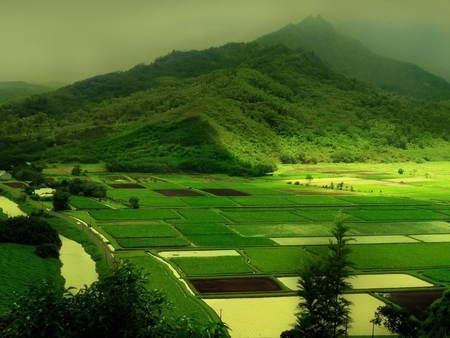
[134,214]
[212,265]
[399,214]
[140,230]
[161,278]
[317,200]
[20,268]
[276,259]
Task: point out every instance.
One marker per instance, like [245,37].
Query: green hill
[237,109]
[351,56]
[14,89]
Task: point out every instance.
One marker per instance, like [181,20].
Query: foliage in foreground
[399,320]
[323,311]
[119,305]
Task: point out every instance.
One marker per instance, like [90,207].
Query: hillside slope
[319,36]
[237,109]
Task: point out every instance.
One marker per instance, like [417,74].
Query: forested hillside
[14,89]
[238,109]
[351,56]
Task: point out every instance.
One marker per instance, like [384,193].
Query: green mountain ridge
[348,54]
[10,90]
[238,109]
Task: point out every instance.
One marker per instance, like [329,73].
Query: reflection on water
[78,268]
[10,208]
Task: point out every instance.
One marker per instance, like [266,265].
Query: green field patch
[228,240]
[20,268]
[396,214]
[263,191]
[356,240]
[397,256]
[152,242]
[262,215]
[208,201]
[398,228]
[159,277]
[125,194]
[444,207]
[134,214]
[163,202]
[276,260]
[439,275]
[321,214]
[203,229]
[140,230]
[283,230]
[357,199]
[317,200]
[81,202]
[201,215]
[261,201]
[432,238]
[212,265]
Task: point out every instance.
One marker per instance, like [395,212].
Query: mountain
[319,36]
[14,89]
[238,109]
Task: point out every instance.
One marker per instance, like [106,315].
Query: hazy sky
[70,40]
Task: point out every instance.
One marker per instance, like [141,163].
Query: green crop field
[317,200]
[283,230]
[133,214]
[212,265]
[140,230]
[149,242]
[228,240]
[201,215]
[203,229]
[276,259]
[399,228]
[81,202]
[208,201]
[398,214]
[261,201]
[261,216]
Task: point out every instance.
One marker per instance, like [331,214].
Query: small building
[5,176]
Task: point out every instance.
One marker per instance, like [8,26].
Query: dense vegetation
[31,231]
[351,56]
[237,109]
[14,89]
[119,305]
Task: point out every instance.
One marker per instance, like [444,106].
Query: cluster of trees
[31,231]
[119,305]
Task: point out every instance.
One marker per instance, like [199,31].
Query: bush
[45,250]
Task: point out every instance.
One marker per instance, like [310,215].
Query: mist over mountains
[239,109]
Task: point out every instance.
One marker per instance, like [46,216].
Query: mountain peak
[316,23]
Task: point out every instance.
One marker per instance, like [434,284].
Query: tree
[400,171]
[119,305]
[309,178]
[323,311]
[437,322]
[76,170]
[60,199]
[397,320]
[134,202]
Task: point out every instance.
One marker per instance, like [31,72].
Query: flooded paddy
[10,208]
[78,268]
[268,317]
[381,281]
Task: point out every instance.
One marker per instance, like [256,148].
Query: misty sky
[70,40]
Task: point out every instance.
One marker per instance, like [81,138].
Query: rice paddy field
[187,225]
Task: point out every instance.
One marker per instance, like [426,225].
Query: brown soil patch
[415,301]
[15,184]
[177,192]
[226,192]
[148,179]
[126,186]
[50,179]
[233,285]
